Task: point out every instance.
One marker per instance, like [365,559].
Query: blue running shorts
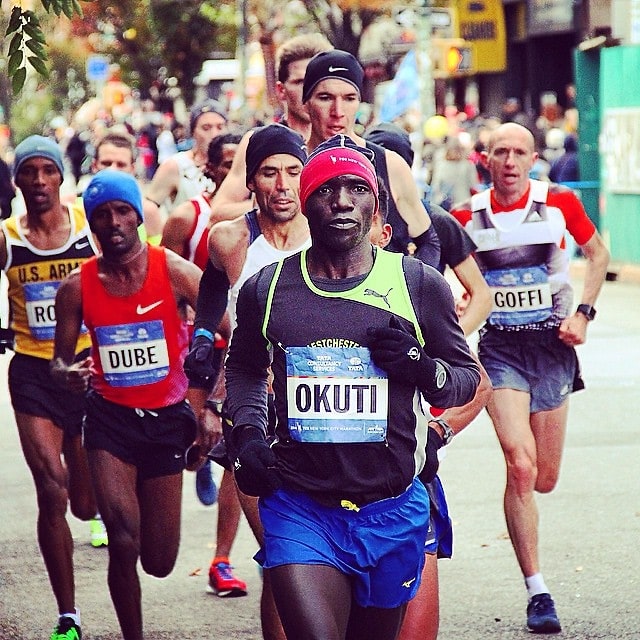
[440,535]
[381,545]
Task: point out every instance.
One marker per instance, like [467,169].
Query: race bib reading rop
[40,298]
[335,395]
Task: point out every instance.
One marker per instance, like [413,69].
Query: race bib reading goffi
[335,395]
[133,354]
[520,295]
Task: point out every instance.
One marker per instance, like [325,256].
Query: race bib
[335,395]
[520,295]
[40,298]
[133,354]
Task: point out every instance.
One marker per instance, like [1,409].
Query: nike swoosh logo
[140,310]
[332,69]
[82,245]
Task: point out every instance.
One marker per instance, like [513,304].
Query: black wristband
[215,406]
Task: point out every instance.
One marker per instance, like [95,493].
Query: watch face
[587,311]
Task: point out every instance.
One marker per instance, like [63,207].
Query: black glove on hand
[398,352]
[6,340]
[255,469]
[430,469]
[203,360]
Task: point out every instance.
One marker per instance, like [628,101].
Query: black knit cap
[208,106]
[332,64]
[392,137]
[269,141]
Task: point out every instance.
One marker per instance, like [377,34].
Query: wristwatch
[587,311]
[215,406]
[447,431]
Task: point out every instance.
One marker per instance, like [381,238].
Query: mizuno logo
[140,310]
[81,244]
[408,583]
[375,294]
[333,69]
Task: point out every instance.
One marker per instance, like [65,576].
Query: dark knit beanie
[269,141]
[332,64]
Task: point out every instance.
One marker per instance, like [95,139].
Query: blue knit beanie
[108,185]
[37,147]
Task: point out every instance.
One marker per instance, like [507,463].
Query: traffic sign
[97,68]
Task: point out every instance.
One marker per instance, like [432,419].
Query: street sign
[97,68]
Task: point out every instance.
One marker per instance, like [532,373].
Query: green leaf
[15,60]
[37,48]
[32,18]
[39,66]
[16,41]
[67,7]
[77,7]
[35,33]
[15,21]
[17,80]
[56,7]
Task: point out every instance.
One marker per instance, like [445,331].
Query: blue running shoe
[205,486]
[541,615]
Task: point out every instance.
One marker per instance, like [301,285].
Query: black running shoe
[541,615]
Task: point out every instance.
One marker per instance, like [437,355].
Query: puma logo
[375,294]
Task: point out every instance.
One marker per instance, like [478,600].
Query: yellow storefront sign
[481,22]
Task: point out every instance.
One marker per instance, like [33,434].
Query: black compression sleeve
[212,298]
[428,247]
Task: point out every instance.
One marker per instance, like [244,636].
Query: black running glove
[398,352]
[255,468]
[430,469]
[203,360]
[6,340]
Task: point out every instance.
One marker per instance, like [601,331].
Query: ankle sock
[535,585]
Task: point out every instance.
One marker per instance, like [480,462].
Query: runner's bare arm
[68,311]
[185,278]
[232,197]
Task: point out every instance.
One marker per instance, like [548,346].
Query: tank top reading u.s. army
[34,276]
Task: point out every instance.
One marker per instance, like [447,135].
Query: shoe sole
[231,593]
[97,545]
[547,627]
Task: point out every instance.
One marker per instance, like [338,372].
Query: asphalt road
[590,527]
